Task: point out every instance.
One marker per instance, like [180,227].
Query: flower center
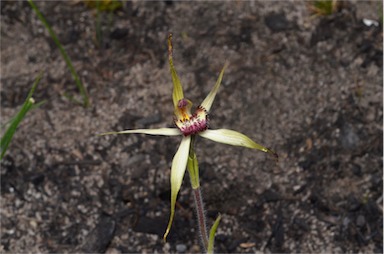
[190,124]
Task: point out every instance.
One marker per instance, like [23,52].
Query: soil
[310,88]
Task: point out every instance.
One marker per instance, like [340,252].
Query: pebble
[360,221]
[101,235]
[146,121]
[349,137]
[346,222]
[277,22]
[181,247]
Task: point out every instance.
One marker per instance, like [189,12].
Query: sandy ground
[311,88]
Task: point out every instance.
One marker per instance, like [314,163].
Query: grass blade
[79,84]
[212,233]
[28,104]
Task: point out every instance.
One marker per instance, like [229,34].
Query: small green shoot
[28,104]
[71,98]
[68,61]
[324,7]
[212,234]
[103,6]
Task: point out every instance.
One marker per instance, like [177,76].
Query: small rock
[99,238]
[346,222]
[166,248]
[181,248]
[373,70]
[112,251]
[349,137]
[119,33]
[277,22]
[136,165]
[356,170]
[146,121]
[195,248]
[37,179]
[302,224]
[322,32]
[370,116]
[360,221]
[232,245]
[270,196]
[132,160]
[150,225]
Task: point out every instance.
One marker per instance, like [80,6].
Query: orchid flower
[188,125]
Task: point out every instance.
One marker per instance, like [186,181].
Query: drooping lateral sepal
[179,165]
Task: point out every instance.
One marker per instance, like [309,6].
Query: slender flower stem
[201,217]
[193,170]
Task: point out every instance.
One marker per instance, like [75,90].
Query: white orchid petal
[161,131]
[234,138]
[207,103]
[179,164]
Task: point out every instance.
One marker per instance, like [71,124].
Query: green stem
[201,217]
[67,60]
[98,24]
[193,170]
[193,167]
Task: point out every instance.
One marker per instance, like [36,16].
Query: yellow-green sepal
[179,164]
[234,138]
[207,103]
[160,131]
[177,93]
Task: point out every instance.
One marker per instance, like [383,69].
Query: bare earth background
[309,88]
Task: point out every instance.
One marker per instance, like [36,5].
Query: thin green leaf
[27,106]
[68,61]
[212,234]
